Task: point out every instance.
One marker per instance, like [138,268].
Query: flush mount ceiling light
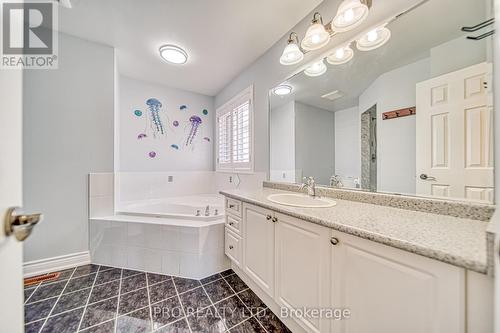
[316,69]
[351,13]
[282,90]
[292,54]
[341,55]
[374,38]
[173,54]
[316,35]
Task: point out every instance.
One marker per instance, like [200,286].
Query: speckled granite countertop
[457,241]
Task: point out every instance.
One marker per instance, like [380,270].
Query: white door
[303,269]
[393,291]
[258,246]
[455,135]
[11,251]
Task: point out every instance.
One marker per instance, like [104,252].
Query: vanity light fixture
[316,35]
[316,69]
[282,90]
[374,38]
[173,54]
[351,13]
[292,54]
[341,55]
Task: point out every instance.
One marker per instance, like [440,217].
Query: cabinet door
[258,246]
[303,269]
[393,291]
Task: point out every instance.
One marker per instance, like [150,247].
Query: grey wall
[283,143]
[396,137]
[347,144]
[314,142]
[68,133]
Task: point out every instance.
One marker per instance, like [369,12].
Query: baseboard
[37,267]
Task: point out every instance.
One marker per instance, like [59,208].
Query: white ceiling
[222,37]
[413,35]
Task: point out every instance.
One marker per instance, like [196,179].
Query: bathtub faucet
[198,213]
[207,211]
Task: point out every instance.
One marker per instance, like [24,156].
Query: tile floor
[95,298]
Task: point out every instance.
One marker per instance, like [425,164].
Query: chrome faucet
[207,211]
[310,184]
[336,181]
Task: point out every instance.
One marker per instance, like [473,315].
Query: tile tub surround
[162,303]
[193,249]
[460,242]
[461,209]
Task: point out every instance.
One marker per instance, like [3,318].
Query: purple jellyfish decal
[206,139]
[176,123]
[195,122]
[142,136]
[154,108]
[152,154]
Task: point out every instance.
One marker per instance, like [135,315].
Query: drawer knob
[231,206]
[231,223]
[268,217]
[231,247]
[275,219]
[334,241]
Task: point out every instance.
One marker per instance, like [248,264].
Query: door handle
[426,177]
[20,225]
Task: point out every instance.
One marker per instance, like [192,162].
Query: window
[235,134]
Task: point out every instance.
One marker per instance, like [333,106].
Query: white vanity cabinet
[303,269]
[258,246]
[392,291]
[297,264]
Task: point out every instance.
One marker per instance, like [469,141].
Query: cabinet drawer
[233,246]
[233,207]
[234,224]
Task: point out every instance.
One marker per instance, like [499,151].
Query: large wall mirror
[413,116]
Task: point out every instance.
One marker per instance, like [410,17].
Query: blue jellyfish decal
[138,113]
[195,122]
[205,112]
[206,139]
[175,146]
[182,107]
[154,108]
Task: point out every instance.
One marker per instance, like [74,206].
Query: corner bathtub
[163,236]
[188,207]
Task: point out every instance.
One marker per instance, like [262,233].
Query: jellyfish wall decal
[154,108]
[195,122]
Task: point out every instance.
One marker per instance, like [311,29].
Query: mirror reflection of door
[455,135]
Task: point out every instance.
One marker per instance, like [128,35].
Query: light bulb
[374,38]
[349,15]
[291,55]
[316,37]
[341,55]
[316,69]
[372,35]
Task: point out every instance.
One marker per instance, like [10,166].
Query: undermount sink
[301,200]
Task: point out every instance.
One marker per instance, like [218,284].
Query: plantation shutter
[234,134]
